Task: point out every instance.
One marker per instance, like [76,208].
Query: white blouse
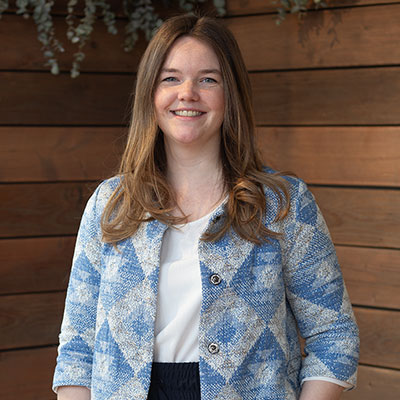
[179,294]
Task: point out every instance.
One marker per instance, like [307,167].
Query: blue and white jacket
[250,318]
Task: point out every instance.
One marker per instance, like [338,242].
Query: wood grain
[339,37]
[372,276]
[60,7]
[23,318]
[331,38]
[104,52]
[367,96]
[379,337]
[334,155]
[366,217]
[29,320]
[35,265]
[245,7]
[375,383]
[42,209]
[27,374]
[163,8]
[44,99]
[361,217]
[59,153]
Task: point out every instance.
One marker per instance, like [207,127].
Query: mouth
[187,113]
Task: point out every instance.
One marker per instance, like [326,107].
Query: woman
[194,267]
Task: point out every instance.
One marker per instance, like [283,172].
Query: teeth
[187,113]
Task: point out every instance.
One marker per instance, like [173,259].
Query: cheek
[162,100]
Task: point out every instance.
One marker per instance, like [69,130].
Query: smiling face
[189,98]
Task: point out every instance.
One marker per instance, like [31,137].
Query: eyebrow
[202,71]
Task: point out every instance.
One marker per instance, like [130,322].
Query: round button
[215,279]
[213,348]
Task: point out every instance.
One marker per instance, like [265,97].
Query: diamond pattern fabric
[266,294]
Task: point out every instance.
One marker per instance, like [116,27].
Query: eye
[169,79]
[209,80]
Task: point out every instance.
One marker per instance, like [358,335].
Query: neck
[188,166]
[196,178]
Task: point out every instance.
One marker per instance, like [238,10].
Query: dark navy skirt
[174,381]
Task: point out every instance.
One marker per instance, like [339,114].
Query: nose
[188,91]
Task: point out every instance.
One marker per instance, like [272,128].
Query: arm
[320,390]
[316,293]
[73,393]
[75,351]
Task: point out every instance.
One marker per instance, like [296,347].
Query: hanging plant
[296,7]
[140,16]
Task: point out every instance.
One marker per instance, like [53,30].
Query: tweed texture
[107,334]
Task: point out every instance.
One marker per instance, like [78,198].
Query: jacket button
[213,348]
[215,279]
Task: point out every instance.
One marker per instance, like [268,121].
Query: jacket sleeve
[76,340]
[316,292]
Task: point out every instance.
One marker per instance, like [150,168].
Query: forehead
[188,51]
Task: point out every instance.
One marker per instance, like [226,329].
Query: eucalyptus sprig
[140,16]
[296,6]
[40,10]
[3,6]
[80,34]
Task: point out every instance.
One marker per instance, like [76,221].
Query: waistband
[175,381]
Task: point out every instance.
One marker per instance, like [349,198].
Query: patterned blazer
[250,315]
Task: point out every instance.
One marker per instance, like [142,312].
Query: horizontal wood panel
[332,38]
[29,320]
[104,51]
[244,7]
[20,377]
[379,337]
[162,8]
[29,98]
[335,155]
[33,320]
[345,37]
[375,383]
[35,265]
[57,154]
[366,96]
[61,6]
[27,374]
[42,209]
[364,217]
[372,276]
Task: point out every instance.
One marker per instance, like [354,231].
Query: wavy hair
[143,192]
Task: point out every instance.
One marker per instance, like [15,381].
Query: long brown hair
[143,192]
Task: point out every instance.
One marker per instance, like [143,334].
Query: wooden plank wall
[326,92]
[58,137]
[326,98]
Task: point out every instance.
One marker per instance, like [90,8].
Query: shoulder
[107,188]
[296,187]
[102,194]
